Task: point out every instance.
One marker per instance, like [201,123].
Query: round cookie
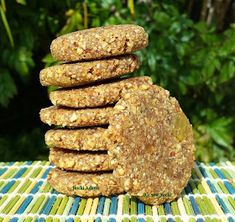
[92,139]
[75,118]
[84,184]
[76,74]
[95,96]
[79,161]
[97,43]
[153,151]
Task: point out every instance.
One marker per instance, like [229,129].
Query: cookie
[84,184]
[97,43]
[153,151]
[75,118]
[76,74]
[95,96]
[80,161]
[91,139]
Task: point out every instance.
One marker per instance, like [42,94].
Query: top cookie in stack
[115,134]
[98,43]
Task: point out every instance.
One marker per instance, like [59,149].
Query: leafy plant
[7,87]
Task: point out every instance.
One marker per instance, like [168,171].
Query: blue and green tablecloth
[25,195]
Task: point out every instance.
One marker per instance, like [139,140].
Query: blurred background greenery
[191,53]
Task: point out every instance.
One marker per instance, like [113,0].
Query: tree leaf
[220,131]
[7,87]
[22,2]
[227,72]
[49,60]
[23,62]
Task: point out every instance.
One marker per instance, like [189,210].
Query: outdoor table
[25,195]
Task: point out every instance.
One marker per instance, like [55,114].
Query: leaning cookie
[80,161]
[76,74]
[84,184]
[75,118]
[91,139]
[96,96]
[97,43]
[153,149]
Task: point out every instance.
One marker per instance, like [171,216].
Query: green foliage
[25,146]
[194,62]
[7,87]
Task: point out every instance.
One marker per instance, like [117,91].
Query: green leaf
[180,48]
[161,18]
[187,36]
[7,87]
[95,22]
[175,27]
[22,2]
[193,78]
[52,88]
[27,39]
[73,23]
[210,64]
[227,72]
[182,88]
[49,60]
[201,27]
[23,62]
[220,131]
[152,62]
[53,24]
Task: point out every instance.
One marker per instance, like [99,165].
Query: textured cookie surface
[79,161]
[101,42]
[76,74]
[84,184]
[154,145]
[75,118]
[99,95]
[91,139]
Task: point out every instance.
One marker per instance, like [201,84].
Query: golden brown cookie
[101,42]
[95,96]
[91,139]
[80,161]
[84,184]
[153,151]
[75,118]
[76,74]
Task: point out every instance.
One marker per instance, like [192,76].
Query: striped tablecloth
[25,195]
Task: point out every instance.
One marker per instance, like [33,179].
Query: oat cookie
[84,184]
[75,118]
[79,161]
[92,139]
[76,74]
[101,42]
[95,96]
[154,145]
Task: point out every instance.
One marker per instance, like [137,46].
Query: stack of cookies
[113,134]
